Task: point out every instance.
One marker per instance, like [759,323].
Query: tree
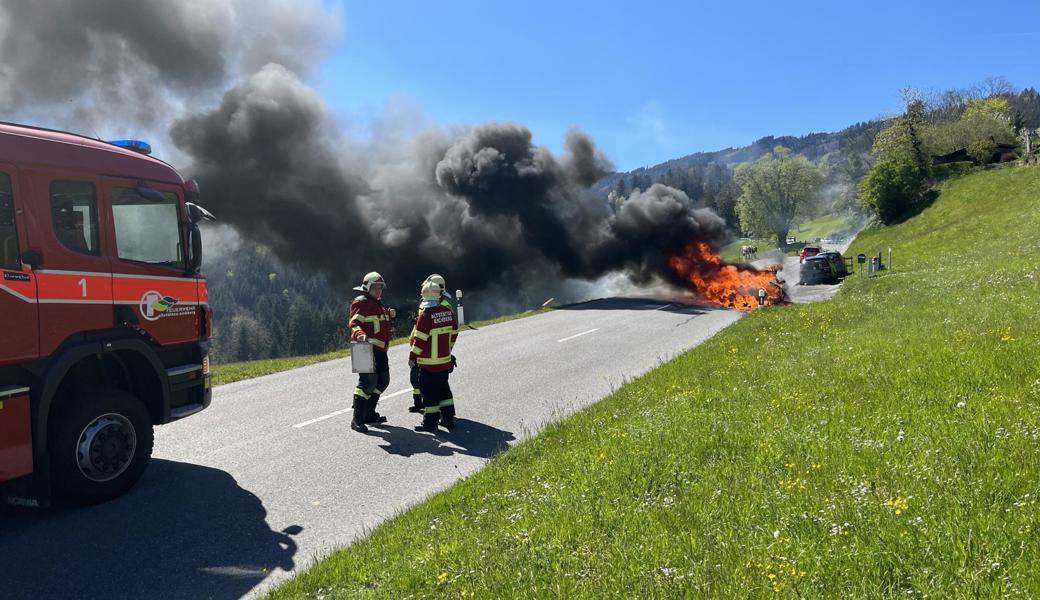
[619,188]
[898,181]
[981,126]
[987,123]
[775,191]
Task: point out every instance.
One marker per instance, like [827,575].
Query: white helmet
[439,280]
[370,279]
[431,290]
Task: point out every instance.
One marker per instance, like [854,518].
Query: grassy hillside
[820,227]
[883,444]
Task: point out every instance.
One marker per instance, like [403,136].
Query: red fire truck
[104,314]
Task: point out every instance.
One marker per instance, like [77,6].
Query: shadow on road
[185,531]
[683,306]
[469,437]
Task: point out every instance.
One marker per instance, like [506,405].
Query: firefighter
[432,341]
[445,300]
[370,321]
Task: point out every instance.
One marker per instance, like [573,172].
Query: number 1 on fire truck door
[83,286]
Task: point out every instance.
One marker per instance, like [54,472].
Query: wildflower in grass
[442,577]
[898,504]
[780,574]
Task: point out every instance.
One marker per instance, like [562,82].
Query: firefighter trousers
[438,403]
[371,385]
[417,397]
[416,392]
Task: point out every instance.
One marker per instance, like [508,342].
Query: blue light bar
[135,145]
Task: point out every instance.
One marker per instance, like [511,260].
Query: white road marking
[578,335]
[663,307]
[346,410]
[320,419]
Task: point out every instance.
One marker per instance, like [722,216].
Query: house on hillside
[1002,153]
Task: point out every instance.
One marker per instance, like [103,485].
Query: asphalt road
[791,273]
[271,477]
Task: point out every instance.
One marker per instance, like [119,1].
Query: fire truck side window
[74,212]
[9,257]
[147,229]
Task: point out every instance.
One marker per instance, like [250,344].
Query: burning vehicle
[730,286]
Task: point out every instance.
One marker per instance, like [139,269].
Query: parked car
[808,251]
[837,260]
[816,270]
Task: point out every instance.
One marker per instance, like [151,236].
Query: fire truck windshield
[147,230]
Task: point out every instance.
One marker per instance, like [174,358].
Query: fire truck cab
[104,314]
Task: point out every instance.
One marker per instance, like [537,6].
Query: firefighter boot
[429,423]
[416,406]
[373,416]
[448,417]
[360,412]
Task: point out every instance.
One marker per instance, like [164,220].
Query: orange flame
[732,286]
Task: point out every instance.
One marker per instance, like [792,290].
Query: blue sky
[656,80]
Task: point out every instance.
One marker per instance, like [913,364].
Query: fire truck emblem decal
[154,305]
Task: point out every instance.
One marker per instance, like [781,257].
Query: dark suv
[840,270]
[817,269]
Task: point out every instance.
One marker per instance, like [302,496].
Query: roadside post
[462,314]
[890,258]
[761,296]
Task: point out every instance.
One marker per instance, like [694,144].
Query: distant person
[370,322]
[432,341]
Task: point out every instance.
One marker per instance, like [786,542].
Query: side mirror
[194,249]
[33,259]
[197,214]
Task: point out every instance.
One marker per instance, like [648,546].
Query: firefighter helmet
[370,279]
[431,290]
[439,280]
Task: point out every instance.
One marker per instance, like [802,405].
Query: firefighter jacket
[434,337]
[369,316]
[446,303]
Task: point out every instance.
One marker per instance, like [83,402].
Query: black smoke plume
[118,66]
[483,207]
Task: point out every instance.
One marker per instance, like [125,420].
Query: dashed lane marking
[578,335]
[346,410]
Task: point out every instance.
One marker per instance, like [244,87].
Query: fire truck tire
[100,446]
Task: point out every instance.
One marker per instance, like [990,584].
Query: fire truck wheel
[100,446]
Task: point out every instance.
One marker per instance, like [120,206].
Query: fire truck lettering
[16,276]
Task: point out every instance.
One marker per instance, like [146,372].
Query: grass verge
[883,444]
[231,372]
